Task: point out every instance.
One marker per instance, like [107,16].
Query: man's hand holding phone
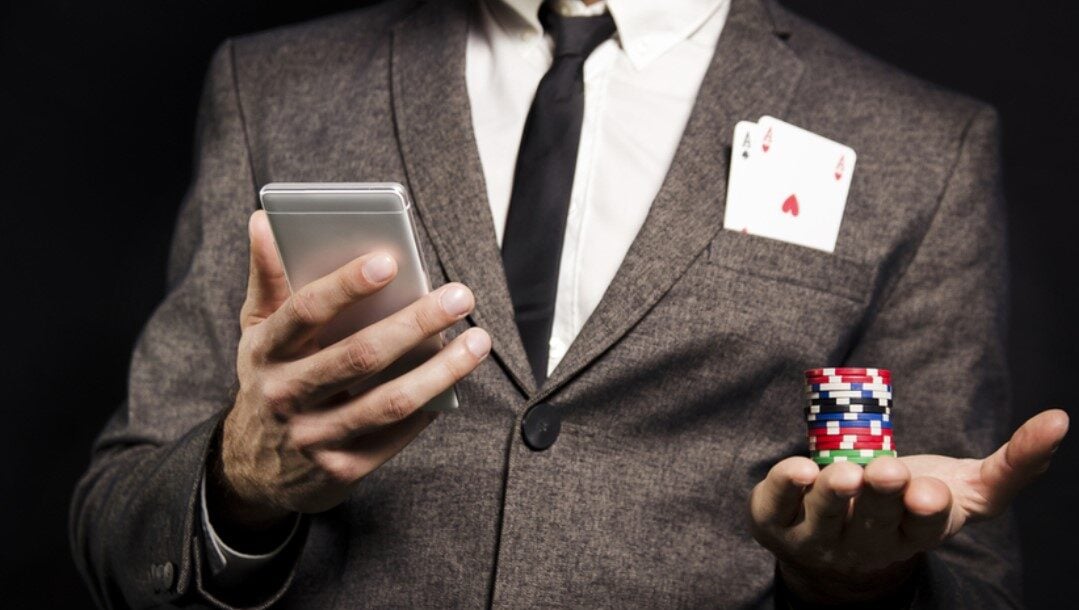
[296,440]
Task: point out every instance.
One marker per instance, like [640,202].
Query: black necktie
[543,179]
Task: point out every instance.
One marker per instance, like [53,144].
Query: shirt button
[540,426]
[557,346]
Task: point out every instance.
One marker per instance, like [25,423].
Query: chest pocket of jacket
[779,261]
[784,298]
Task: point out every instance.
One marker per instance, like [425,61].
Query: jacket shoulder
[320,44]
[865,88]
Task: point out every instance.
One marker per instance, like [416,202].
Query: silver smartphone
[320,226]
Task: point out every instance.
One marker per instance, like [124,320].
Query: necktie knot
[576,36]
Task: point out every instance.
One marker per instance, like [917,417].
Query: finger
[828,501]
[345,465]
[777,500]
[311,307]
[928,507]
[879,508]
[370,350]
[267,288]
[352,461]
[394,400]
[1022,459]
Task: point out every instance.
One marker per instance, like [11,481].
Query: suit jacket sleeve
[941,331]
[134,524]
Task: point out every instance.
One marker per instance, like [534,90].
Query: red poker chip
[857,438]
[841,371]
[866,431]
[878,446]
[850,379]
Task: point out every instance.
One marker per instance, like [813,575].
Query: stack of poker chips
[849,415]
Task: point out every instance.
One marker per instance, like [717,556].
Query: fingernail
[479,343]
[379,269]
[456,301]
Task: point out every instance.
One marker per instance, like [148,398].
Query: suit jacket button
[168,574]
[540,426]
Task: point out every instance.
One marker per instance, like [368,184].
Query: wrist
[811,587]
[244,522]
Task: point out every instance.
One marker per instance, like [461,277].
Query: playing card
[744,154]
[788,183]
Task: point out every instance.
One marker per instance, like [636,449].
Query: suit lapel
[442,165]
[751,74]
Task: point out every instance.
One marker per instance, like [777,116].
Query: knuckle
[757,529]
[408,326]
[245,312]
[361,357]
[279,396]
[337,467]
[429,318]
[755,504]
[398,405]
[420,322]
[293,441]
[299,440]
[349,287]
[352,422]
[795,544]
[303,388]
[255,345]
[301,307]
[457,365]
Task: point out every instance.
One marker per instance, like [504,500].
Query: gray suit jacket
[682,389]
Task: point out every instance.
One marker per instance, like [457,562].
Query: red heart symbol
[790,204]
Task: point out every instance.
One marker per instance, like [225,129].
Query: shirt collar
[647,28]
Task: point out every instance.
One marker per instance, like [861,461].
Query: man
[635,399]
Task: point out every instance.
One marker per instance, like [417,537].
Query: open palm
[981,489]
[844,533]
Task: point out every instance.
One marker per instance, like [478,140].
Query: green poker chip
[853,453]
[826,461]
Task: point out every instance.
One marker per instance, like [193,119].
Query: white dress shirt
[640,87]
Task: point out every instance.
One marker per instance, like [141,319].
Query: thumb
[267,288]
[1023,458]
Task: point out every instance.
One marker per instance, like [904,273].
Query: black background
[97,103]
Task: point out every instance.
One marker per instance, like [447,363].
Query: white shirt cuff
[229,567]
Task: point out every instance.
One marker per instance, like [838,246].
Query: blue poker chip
[880,417]
[882,402]
[825,387]
[854,423]
[850,394]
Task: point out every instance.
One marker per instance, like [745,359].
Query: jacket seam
[235,80]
